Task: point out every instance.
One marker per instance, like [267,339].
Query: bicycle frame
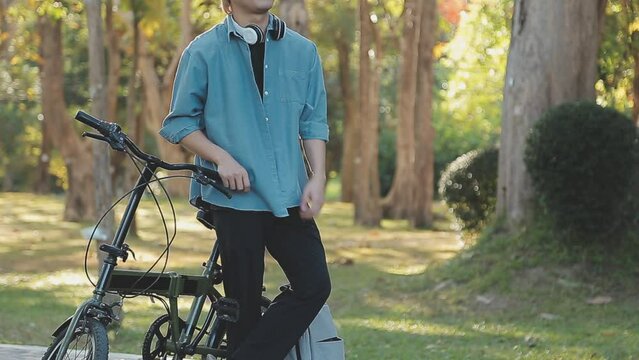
[169,284]
[101,310]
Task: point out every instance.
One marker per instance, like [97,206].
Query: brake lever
[116,144]
[95,136]
[203,179]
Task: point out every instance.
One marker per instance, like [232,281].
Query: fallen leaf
[548,316]
[599,300]
[442,285]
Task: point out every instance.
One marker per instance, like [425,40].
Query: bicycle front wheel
[89,342]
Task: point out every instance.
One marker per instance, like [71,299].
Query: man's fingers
[247,182]
[306,199]
[233,183]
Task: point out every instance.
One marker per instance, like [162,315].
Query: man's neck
[244,19]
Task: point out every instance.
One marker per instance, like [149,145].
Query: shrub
[582,159]
[469,187]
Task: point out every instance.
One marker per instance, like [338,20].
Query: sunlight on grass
[390,295]
[404,325]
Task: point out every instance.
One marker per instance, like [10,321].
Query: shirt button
[266,119]
[265,93]
[266,66]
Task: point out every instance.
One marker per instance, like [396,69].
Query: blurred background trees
[412,86]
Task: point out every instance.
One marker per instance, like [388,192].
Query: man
[242,108]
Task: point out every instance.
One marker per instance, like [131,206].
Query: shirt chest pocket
[294,85]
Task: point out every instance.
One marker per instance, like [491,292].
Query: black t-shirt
[257,61]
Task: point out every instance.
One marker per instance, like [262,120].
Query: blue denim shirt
[215,91]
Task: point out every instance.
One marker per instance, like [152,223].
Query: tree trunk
[80,204]
[350,142]
[97,91]
[101,151]
[294,13]
[635,87]
[114,64]
[367,209]
[43,182]
[422,216]
[135,124]
[157,97]
[399,203]
[552,60]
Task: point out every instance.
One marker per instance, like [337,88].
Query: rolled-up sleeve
[188,99]
[313,121]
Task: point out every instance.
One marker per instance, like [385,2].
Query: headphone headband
[253,34]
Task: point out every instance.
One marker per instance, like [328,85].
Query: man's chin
[265,6]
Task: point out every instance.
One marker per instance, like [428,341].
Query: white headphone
[253,34]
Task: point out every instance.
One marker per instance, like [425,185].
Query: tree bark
[422,215]
[635,87]
[43,182]
[114,63]
[367,209]
[97,91]
[552,59]
[400,201]
[157,97]
[135,124]
[98,87]
[350,136]
[294,13]
[80,204]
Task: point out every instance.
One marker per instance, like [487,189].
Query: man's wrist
[319,176]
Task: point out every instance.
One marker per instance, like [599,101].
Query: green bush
[582,159]
[469,187]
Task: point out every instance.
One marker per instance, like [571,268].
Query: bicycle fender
[62,327]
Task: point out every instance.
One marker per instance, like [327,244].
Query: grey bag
[319,341]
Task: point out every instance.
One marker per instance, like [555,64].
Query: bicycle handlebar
[112,134]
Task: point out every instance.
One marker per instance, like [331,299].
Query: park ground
[397,293]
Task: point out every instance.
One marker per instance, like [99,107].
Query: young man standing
[246,93]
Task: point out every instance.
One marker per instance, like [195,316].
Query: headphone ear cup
[280,29]
[256,37]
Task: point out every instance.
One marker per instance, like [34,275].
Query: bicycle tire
[221,331]
[96,333]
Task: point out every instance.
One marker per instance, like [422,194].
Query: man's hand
[313,197]
[233,175]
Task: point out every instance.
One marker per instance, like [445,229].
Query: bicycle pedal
[228,309]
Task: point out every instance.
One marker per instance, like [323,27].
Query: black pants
[296,245]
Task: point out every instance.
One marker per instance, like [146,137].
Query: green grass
[397,293]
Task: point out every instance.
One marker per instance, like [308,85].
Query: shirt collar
[231,30]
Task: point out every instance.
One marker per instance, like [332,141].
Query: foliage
[19,146]
[582,158]
[620,41]
[469,79]
[469,187]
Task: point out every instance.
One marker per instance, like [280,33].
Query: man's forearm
[316,154]
[197,143]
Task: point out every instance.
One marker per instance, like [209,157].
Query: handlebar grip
[91,121]
[211,174]
[216,181]
[222,189]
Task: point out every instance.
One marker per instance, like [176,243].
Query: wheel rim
[158,335]
[158,344]
[82,345]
